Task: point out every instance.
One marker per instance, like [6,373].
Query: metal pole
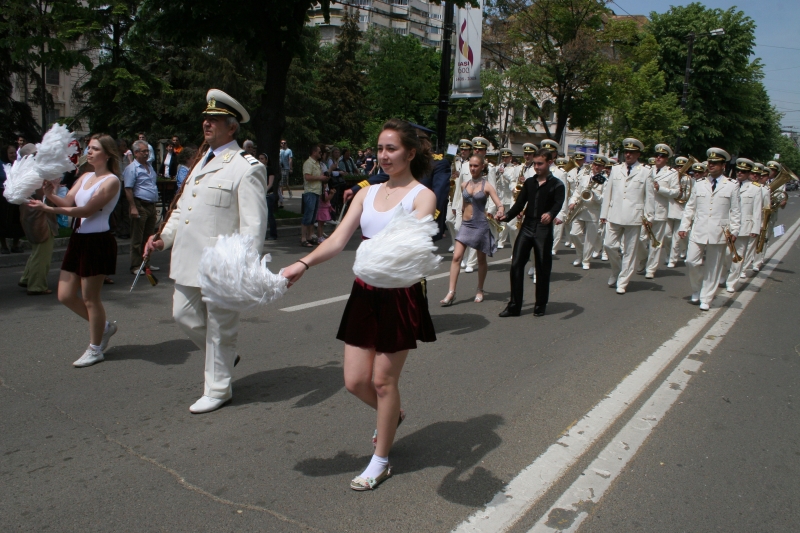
[444,78]
[686,75]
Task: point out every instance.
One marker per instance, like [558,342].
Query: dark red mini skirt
[388,320]
[91,254]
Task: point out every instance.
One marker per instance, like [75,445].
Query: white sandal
[360,484]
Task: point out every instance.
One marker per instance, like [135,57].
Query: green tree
[788,151]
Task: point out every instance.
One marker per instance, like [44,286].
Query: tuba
[777,197]
[686,181]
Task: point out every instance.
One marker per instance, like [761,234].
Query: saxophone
[585,196]
[518,189]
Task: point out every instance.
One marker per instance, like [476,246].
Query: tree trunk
[269,120]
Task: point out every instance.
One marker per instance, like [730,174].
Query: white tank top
[373,221]
[98,222]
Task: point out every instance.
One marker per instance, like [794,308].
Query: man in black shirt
[542,198]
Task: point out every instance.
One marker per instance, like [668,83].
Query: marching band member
[714,216]
[585,228]
[555,148]
[750,204]
[527,172]
[666,184]
[677,249]
[507,174]
[611,161]
[762,175]
[454,205]
[628,198]
[573,178]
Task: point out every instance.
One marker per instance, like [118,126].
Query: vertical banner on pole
[467,76]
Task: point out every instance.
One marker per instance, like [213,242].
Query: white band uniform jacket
[626,199]
[668,188]
[506,182]
[593,206]
[560,174]
[227,195]
[750,204]
[709,212]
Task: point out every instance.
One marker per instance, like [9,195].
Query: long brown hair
[109,146]
[413,139]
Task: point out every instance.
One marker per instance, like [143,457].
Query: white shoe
[89,358]
[463,264]
[206,404]
[742,276]
[595,255]
[531,271]
[612,281]
[501,246]
[695,297]
[756,268]
[683,256]
[469,269]
[571,245]
[604,257]
[730,288]
[534,278]
[451,249]
[154,268]
[704,306]
[576,263]
[554,252]
[107,334]
[649,275]
[585,266]
[670,265]
[620,290]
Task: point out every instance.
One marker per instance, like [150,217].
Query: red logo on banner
[466,51]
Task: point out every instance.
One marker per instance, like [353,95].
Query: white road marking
[572,508]
[346,296]
[516,499]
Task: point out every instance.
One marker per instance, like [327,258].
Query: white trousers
[622,265]
[704,275]
[558,232]
[585,235]
[678,245]
[509,233]
[214,331]
[660,230]
[745,245]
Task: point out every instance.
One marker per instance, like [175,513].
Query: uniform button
[190,208]
[194,194]
[187,220]
[196,182]
[219,186]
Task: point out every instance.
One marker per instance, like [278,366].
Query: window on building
[435,30]
[52,117]
[52,76]
[401,31]
[400,2]
[363,3]
[363,18]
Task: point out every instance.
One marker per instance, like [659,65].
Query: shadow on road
[636,286]
[554,308]
[172,352]
[459,324]
[457,445]
[312,384]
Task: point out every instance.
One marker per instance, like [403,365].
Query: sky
[777,44]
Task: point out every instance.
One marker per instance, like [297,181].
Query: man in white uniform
[558,231]
[712,208]
[507,174]
[527,172]
[750,205]
[677,249]
[585,228]
[225,193]
[628,197]
[461,163]
[761,175]
[667,187]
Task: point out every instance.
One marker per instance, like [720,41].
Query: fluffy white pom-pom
[50,163]
[401,254]
[22,180]
[231,276]
[52,154]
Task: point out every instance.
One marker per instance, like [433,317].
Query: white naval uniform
[677,245]
[766,200]
[750,205]
[453,219]
[225,195]
[626,199]
[708,213]
[668,189]
[586,226]
[506,183]
[558,230]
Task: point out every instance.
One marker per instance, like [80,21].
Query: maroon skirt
[387,320]
[91,254]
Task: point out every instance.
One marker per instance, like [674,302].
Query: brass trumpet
[652,236]
[686,181]
[735,257]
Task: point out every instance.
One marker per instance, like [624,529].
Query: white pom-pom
[52,154]
[401,254]
[22,180]
[231,275]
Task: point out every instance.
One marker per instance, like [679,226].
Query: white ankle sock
[95,348]
[105,330]
[376,467]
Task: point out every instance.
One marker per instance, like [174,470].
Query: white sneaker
[683,256]
[612,281]
[576,263]
[695,297]
[730,288]
[572,245]
[463,264]
[649,275]
[595,255]
[554,252]
[89,358]
[670,265]
[704,306]
[585,266]
[604,257]
[620,290]
[531,271]
[756,268]
[469,269]
[742,276]
[501,246]
[107,334]
[154,268]
[534,278]
[206,404]
[451,249]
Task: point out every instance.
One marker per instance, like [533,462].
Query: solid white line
[572,508]
[522,492]
[346,296]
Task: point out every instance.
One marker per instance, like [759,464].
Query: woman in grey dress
[474,231]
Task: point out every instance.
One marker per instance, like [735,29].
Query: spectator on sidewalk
[312,189]
[152,158]
[369,161]
[249,147]
[40,229]
[272,199]
[183,166]
[324,212]
[142,194]
[176,143]
[169,167]
[286,160]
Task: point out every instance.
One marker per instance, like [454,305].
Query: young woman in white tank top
[92,251]
[381,325]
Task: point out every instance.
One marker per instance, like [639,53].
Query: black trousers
[538,237]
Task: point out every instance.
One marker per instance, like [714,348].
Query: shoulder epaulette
[363,184]
[250,159]
[438,157]
[757,184]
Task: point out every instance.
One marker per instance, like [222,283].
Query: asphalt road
[113,447]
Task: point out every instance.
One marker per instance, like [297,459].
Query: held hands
[36,204]
[294,272]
